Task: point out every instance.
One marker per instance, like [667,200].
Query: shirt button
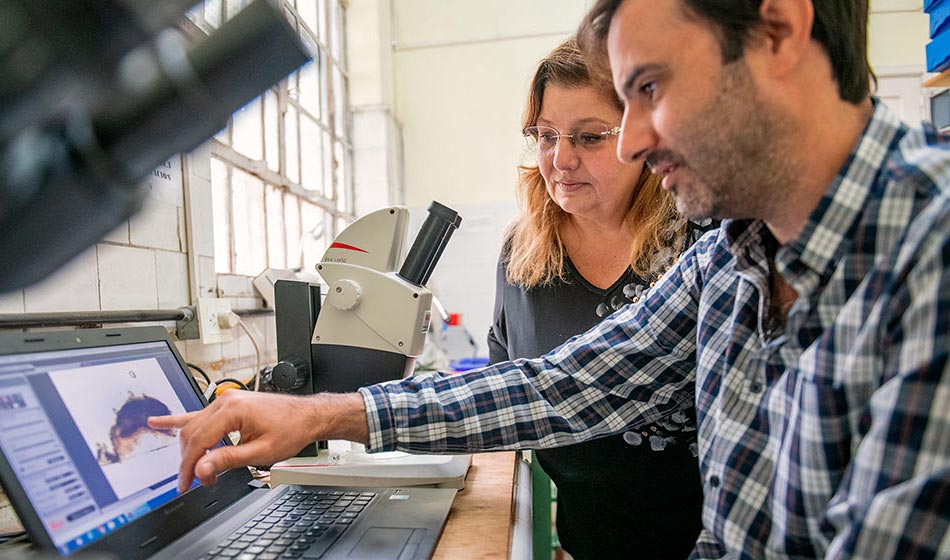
[755,387]
[714,481]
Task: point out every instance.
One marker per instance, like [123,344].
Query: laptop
[86,475]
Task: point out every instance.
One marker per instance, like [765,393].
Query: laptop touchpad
[386,540]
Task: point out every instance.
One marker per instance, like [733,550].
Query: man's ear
[784,34]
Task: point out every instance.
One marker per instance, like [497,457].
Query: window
[280,170]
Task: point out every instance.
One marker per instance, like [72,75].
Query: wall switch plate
[212,314]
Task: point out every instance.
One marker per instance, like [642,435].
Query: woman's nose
[565,153]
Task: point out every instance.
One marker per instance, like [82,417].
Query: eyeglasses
[589,138]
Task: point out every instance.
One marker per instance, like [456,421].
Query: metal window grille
[280,170]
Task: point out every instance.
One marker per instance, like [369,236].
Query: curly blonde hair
[535,255]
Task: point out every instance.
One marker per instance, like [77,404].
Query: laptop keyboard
[303,523]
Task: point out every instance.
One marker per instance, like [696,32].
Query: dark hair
[840,27]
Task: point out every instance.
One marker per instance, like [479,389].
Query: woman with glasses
[593,234]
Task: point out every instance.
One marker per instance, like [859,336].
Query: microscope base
[387,469]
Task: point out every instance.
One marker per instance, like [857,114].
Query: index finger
[204,432]
[171,421]
[190,423]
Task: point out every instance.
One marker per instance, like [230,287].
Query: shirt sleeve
[893,499]
[636,366]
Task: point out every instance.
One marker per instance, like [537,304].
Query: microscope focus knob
[290,374]
[345,294]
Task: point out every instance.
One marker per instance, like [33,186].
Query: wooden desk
[9,522]
[479,524]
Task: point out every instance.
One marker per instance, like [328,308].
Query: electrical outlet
[214,325]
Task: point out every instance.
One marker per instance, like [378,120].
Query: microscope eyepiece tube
[427,248]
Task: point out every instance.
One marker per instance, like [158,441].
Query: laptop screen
[73,428]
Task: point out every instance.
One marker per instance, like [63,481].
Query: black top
[634,495]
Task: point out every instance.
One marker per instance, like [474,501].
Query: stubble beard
[733,163]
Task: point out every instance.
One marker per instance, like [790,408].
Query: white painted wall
[377,136]
[898,31]
[461,75]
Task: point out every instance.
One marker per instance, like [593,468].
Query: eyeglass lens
[589,138]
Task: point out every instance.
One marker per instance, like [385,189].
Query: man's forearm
[340,416]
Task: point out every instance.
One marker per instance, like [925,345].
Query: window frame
[332,190]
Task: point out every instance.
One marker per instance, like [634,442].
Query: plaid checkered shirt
[826,437]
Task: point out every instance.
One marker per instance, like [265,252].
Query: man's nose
[637,136]
[565,153]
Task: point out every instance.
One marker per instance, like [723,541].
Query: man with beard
[811,330]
